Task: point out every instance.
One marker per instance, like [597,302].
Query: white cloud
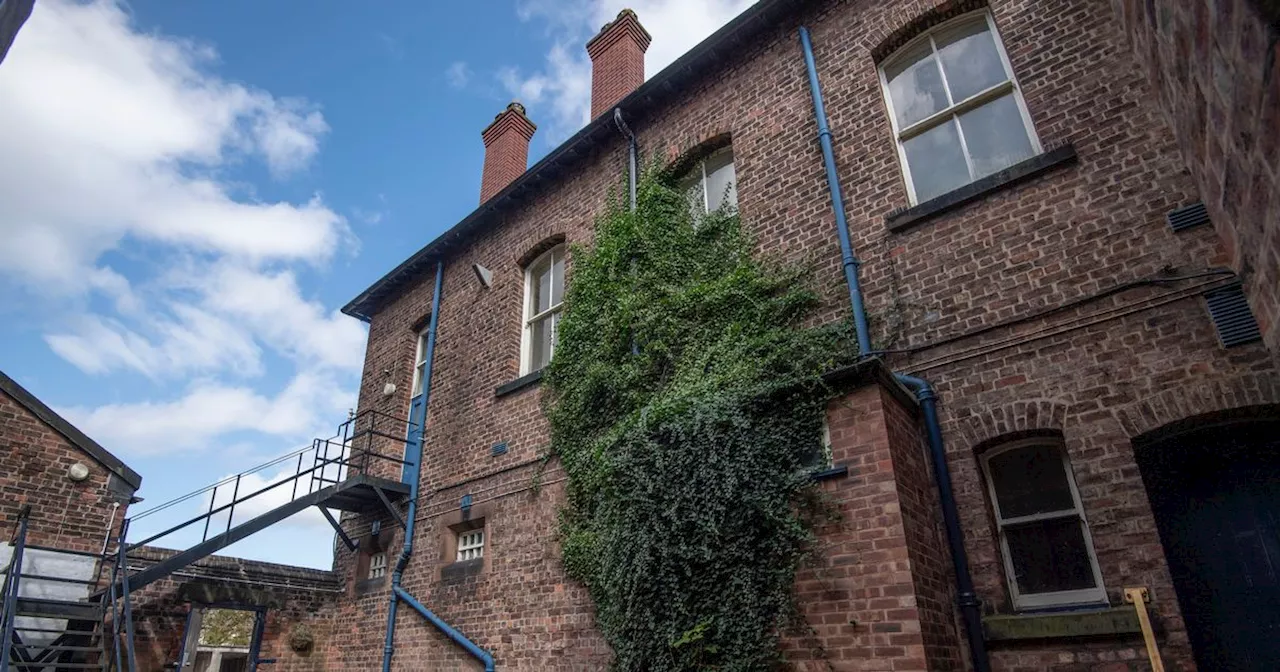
[110,134]
[561,88]
[210,410]
[126,142]
[458,74]
[194,340]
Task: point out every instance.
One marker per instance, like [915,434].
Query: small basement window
[470,544]
[378,565]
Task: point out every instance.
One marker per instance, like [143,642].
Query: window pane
[419,371]
[995,136]
[1030,480]
[692,187]
[915,85]
[422,348]
[541,288]
[1049,556]
[970,59]
[721,178]
[557,279]
[540,335]
[936,161]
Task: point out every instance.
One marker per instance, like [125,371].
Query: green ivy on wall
[686,402]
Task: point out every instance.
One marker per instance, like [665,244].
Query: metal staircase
[342,473]
[54,634]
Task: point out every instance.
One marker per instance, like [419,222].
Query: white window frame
[419,364]
[529,317]
[687,182]
[470,544]
[901,135]
[378,565]
[1095,595]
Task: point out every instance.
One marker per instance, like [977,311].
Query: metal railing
[12,576]
[359,444]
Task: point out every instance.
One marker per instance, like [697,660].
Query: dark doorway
[1215,492]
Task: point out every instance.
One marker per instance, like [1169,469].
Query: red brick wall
[877,589]
[1215,71]
[1059,239]
[34,459]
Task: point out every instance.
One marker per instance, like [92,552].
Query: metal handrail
[344,429]
[333,460]
[11,579]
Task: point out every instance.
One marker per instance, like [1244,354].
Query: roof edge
[701,55]
[78,438]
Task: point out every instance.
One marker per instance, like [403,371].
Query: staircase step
[56,647]
[69,609]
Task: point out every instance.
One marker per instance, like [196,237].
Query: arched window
[711,183]
[956,109]
[543,301]
[1048,552]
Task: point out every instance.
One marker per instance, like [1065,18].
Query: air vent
[499,449]
[1232,317]
[1189,217]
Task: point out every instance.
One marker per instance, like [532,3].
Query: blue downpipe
[412,472]
[478,653]
[849,261]
[970,606]
[412,475]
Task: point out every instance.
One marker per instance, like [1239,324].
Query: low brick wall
[294,598]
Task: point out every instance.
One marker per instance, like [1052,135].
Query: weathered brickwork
[877,588]
[34,463]
[293,597]
[1215,70]
[1062,304]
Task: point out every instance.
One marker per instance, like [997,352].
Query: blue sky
[189,191]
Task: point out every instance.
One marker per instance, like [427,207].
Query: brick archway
[976,426]
[1179,403]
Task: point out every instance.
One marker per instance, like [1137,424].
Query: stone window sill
[905,218]
[461,571]
[830,473]
[367,586]
[527,380]
[1107,622]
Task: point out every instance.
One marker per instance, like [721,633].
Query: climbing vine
[685,402]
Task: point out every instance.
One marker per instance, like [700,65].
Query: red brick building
[1023,186]
[73,494]
[1028,188]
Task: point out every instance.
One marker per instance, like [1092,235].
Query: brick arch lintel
[684,153]
[1179,403]
[910,18]
[978,426]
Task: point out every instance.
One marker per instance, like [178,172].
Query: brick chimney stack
[617,61]
[506,149]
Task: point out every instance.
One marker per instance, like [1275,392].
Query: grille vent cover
[1232,317]
[1189,217]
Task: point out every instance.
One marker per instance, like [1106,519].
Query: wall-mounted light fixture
[389,388]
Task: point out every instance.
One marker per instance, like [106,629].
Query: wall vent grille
[1232,317]
[1189,217]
